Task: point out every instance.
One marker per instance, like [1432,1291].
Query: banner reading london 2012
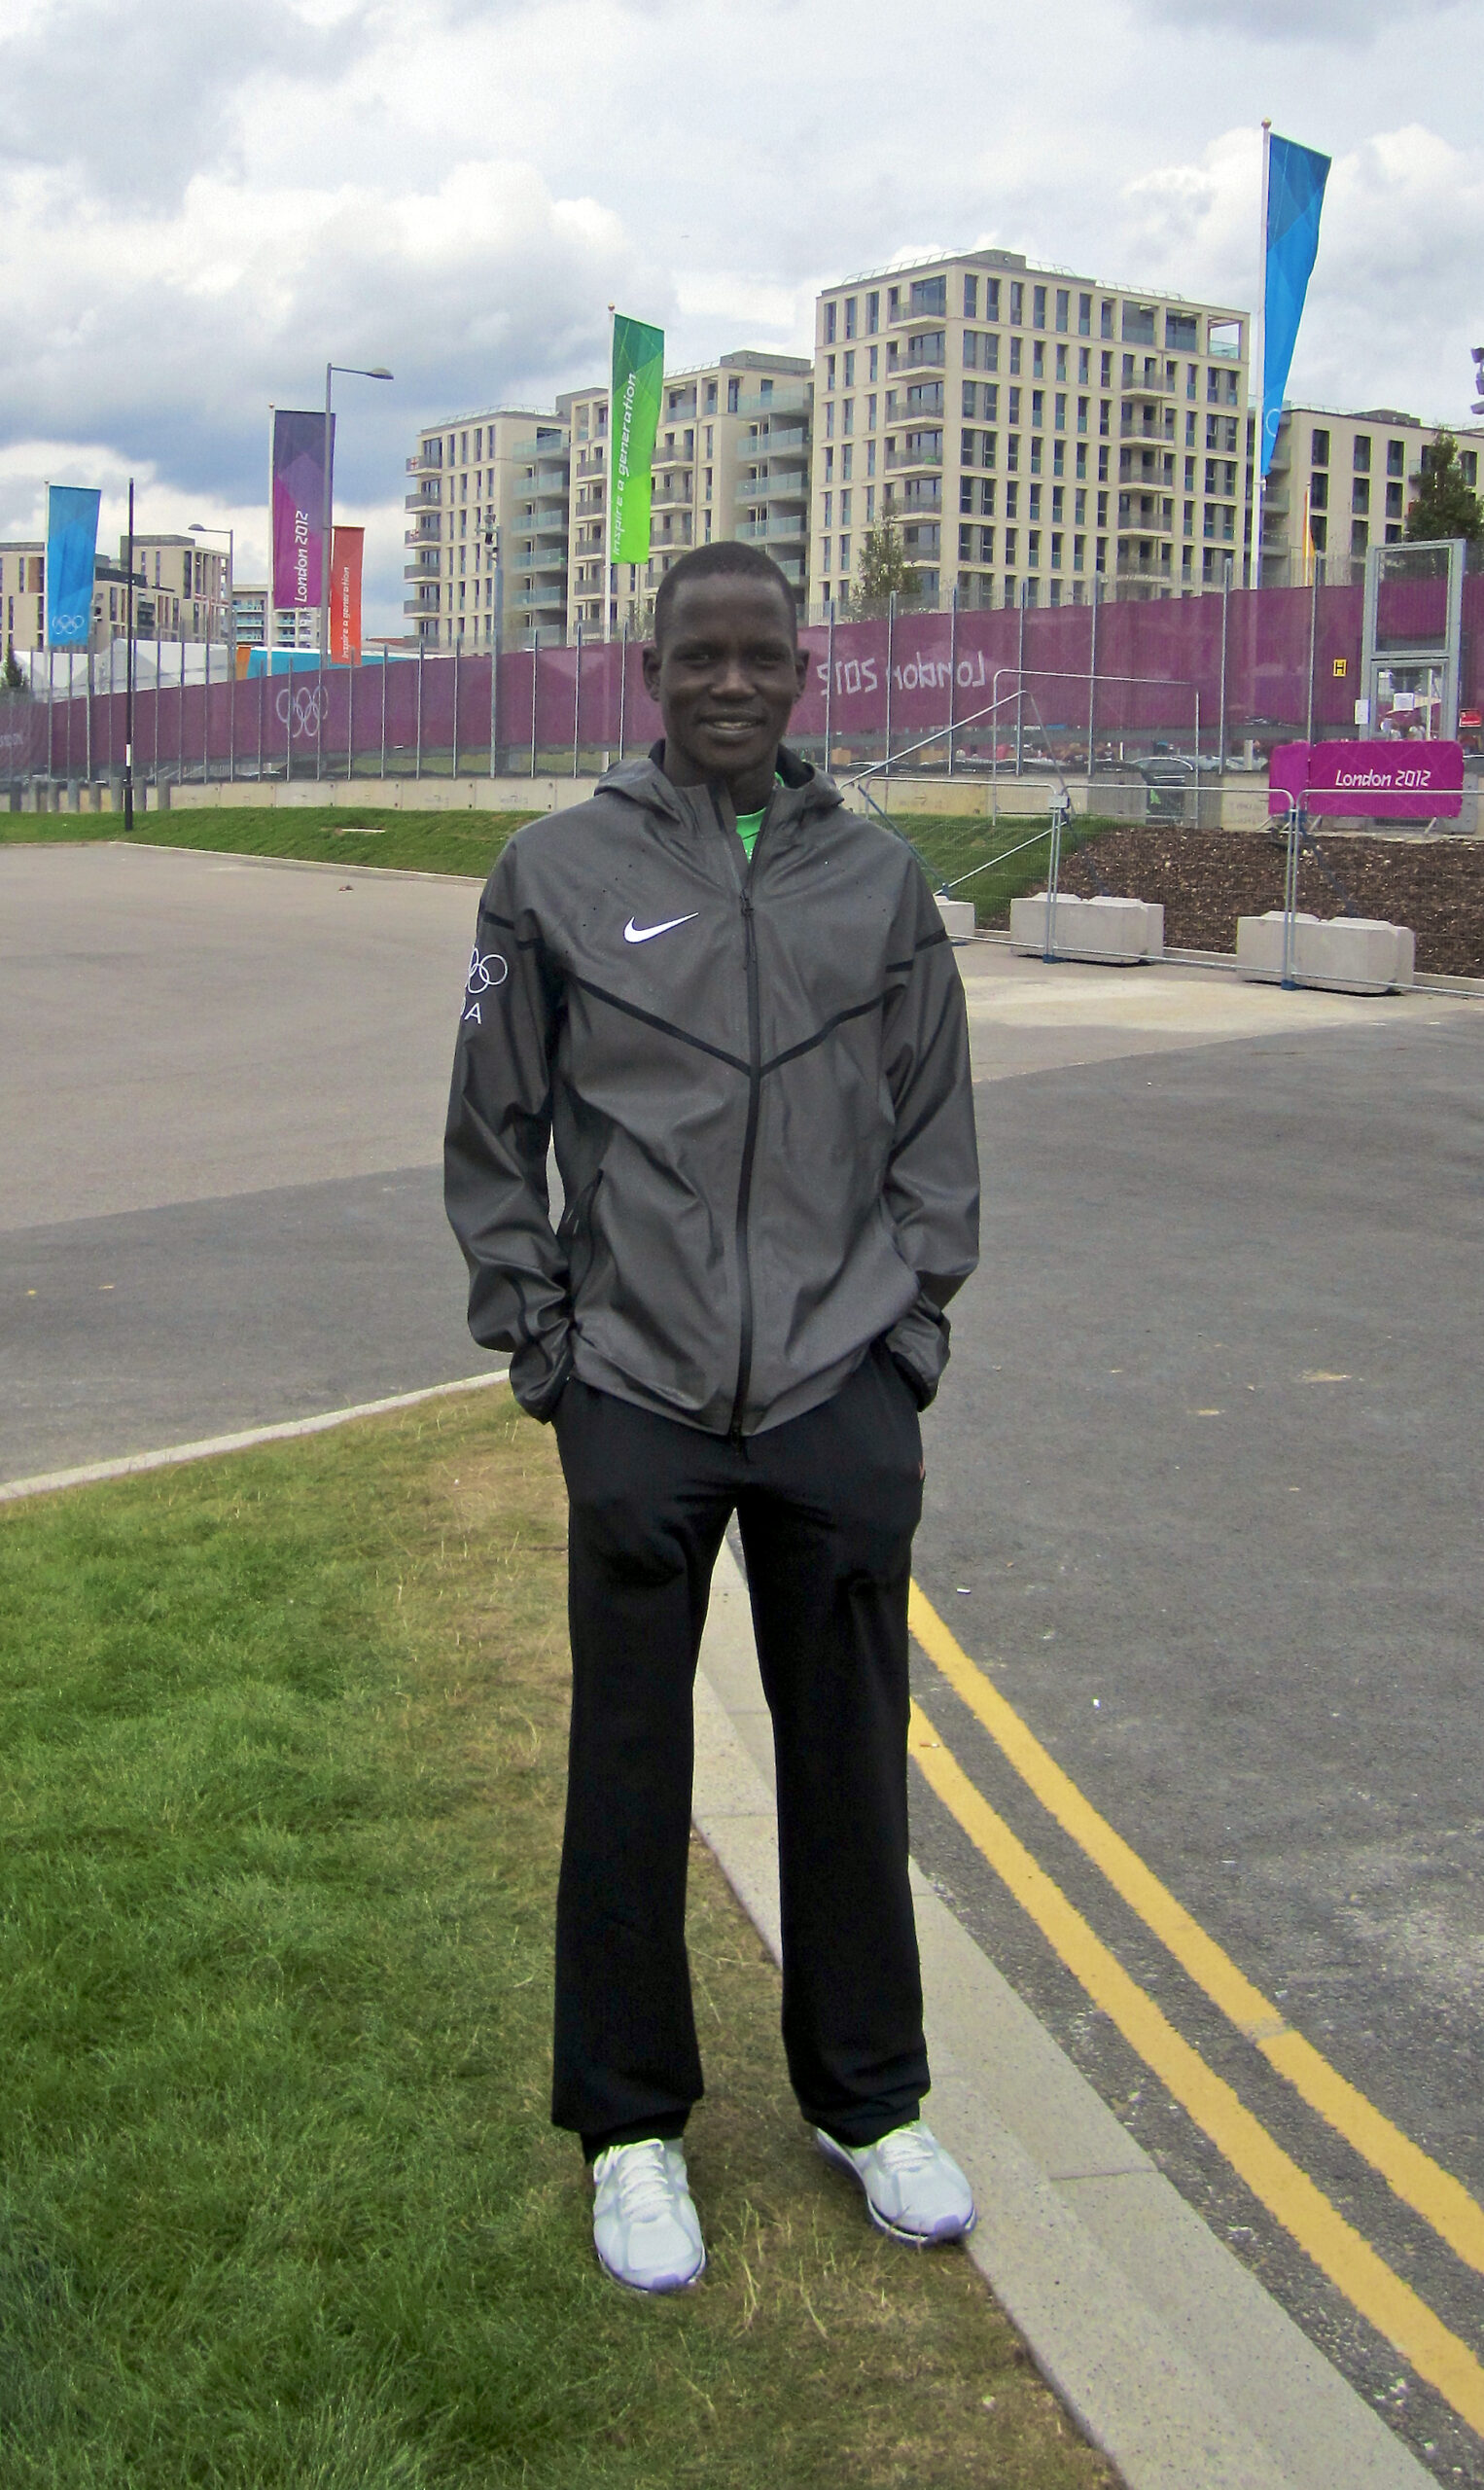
[639,364]
[300,495]
[71,546]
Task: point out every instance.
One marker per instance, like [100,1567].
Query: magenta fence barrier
[934,689]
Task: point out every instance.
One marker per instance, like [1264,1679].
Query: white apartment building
[180,592]
[497,481]
[1341,481]
[732,460]
[1031,432]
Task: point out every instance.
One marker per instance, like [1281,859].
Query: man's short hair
[711,561]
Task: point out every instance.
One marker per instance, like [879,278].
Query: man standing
[730,1004]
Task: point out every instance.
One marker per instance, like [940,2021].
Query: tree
[13,679]
[884,571]
[1445,505]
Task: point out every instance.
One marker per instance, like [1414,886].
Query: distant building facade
[1030,432]
[1340,481]
[478,484]
[180,592]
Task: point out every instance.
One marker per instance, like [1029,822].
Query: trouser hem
[668,2130]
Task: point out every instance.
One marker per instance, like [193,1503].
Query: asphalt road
[1204,1481]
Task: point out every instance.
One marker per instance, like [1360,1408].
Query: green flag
[639,363]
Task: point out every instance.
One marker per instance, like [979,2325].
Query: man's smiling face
[725,677]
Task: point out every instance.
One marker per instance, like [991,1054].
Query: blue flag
[1296,193]
[71,546]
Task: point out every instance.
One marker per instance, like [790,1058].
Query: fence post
[577,697]
[622,682]
[828,684]
[1221,758]
[180,722]
[350,711]
[1092,688]
[155,780]
[1316,558]
[87,711]
[385,670]
[319,715]
[535,670]
[232,711]
[417,747]
[1020,682]
[206,712]
[891,641]
[494,701]
[51,714]
[1290,890]
[953,667]
[455,708]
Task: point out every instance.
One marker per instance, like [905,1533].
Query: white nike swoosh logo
[633,932]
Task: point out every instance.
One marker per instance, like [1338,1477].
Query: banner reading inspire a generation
[299,497]
[639,363]
[346,559]
[72,544]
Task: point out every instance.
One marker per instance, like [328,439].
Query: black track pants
[827,1505]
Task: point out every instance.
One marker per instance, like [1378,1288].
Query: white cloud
[199,202]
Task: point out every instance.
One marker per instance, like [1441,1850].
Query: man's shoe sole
[650,2291]
[836,2153]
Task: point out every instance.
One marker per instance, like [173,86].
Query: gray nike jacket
[755,1076]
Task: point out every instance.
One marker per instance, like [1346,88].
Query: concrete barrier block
[1116,931]
[958,918]
[1338,954]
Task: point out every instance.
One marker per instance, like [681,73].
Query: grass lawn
[280,1776]
[441,842]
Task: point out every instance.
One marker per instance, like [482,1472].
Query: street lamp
[361,372]
[199,529]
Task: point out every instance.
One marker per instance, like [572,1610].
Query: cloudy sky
[204,200]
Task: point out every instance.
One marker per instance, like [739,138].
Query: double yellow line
[1274,2177]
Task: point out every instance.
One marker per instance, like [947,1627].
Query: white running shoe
[914,2191]
[644,2224]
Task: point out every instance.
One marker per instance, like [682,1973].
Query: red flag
[347,552]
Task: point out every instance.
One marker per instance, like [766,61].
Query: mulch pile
[1207,878]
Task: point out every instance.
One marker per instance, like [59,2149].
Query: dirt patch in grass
[1205,879]
[282,1742]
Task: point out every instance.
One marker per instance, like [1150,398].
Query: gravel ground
[1207,878]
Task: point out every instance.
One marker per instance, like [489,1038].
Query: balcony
[525,600]
[421,535]
[539,557]
[540,450]
[796,399]
[788,528]
[591,501]
[425,601]
[1141,426]
[421,466]
[1155,467]
[785,440]
[791,486]
[923,398]
[922,450]
[591,462]
[1144,516]
[919,504]
[673,496]
[426,498]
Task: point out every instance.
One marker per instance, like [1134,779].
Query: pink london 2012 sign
[1401,781]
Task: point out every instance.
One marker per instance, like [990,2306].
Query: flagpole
[1260,351]
[608,488]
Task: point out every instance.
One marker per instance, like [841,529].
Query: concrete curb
[1171,2357]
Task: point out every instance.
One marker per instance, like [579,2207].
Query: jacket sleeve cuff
[540,1373]
[918,1347]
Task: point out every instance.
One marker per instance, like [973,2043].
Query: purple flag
[300,487]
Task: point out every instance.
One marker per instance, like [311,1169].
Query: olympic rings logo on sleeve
[487,971]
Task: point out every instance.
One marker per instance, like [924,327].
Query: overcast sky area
[203,202]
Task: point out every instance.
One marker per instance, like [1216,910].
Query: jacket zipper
[750,1135]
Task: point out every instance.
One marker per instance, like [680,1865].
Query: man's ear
[651,663]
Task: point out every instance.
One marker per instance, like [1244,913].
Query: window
[1058,503]
[1079,508]
[1468,467]
[1359,496]
[1359,536]
[1060,363]
[847,466]
[1082,415]
[1361,455]
[1063,309]
[871,504]
[1011,539]
[872,314]
[1078,553]
[1037,407]
[1017,304]
[1181,332]
[850,368]
[829,314]
[1128,371]
[1012,450]
[1058,458]
[1032,558]
[829,464]
[1033,509]
[1014,354]
[1395,458]
[829,362]
[991,298]
[1037,307]
[844,522]
[733,394]
[848,416]
[1106,320]
[1081,458]
[970,297]
[1394,501]
[828,516]
[1056,553]
[970,404]
[1060,410]
[1038,361]
[871,459]
[1319,531]
[930,293]
[850,315]
[1105,418]
[829,420]
[1105,371]
[1012,508]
